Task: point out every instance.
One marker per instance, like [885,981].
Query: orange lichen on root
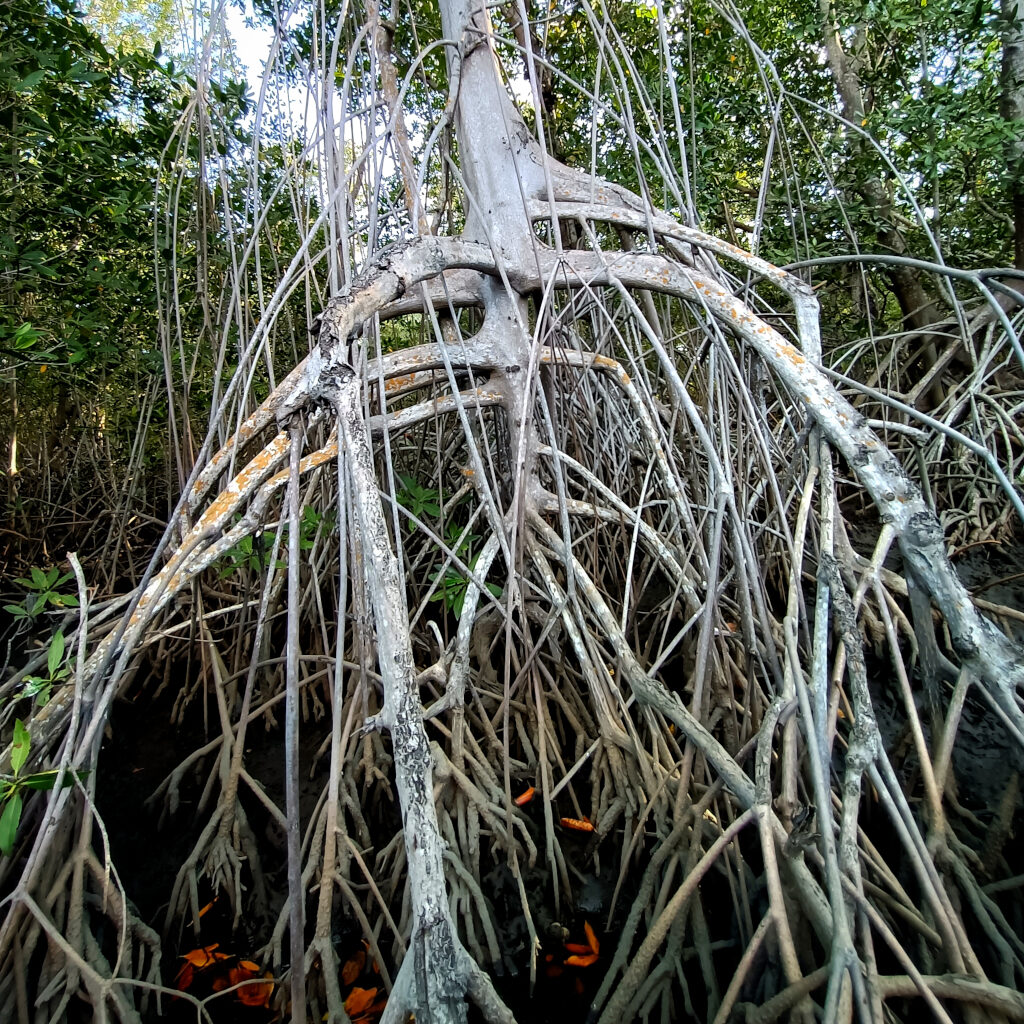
[397,383]
[792,354]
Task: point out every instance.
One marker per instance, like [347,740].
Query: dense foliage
[81,130]
[93,138]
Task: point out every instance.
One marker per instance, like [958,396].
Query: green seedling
[253,552]
[43,591]
[452,587]
[40,687]
[312,521]
[418,501]
[12,786]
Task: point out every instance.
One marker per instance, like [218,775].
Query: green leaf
[9,824]
[25,337]
[38,578]
[20,746]
[41,780]
[30,81]
[48,779]
[55,655]
[16,610]
[33,685]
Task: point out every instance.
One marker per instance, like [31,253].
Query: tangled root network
[599,650]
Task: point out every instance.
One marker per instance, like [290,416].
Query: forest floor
[148,843]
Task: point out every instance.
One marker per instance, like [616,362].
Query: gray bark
[1011,104]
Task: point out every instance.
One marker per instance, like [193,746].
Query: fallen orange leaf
[206,909]
[374,966]
[184,978]
[204,957]
[373,1013]
[243,971]
[576,947]
[353,968]
[578,824]
[256,993]
[581,961]
[525,798]
[359,1000]
[595,946]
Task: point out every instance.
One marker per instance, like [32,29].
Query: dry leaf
[359,1000]
[204,957]
[353,968]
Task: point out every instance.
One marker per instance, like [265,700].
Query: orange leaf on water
[576,947]
[595,946]
[353,968]
[525,798]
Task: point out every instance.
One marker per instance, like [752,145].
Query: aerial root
[588,635]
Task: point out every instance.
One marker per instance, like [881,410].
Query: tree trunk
[917,306]
[1011,105]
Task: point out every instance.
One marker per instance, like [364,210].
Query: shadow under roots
[149,843]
